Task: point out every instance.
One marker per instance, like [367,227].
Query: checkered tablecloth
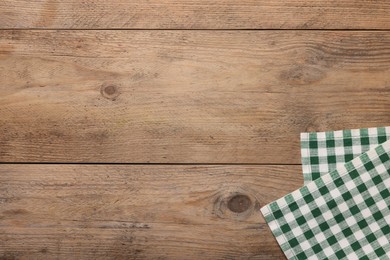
[343,210]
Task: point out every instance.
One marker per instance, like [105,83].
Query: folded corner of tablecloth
[344,213]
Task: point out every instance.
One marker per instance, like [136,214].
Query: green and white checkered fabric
[344,214]
[322,152]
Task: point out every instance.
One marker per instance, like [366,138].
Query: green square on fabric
[330,143]
[380,252]
[323,190]
[385,193]
[332,240]
[365,141]
[285,228]
[377,216]
[324,226]
[339,182]
[362,223]
[308,198]
[293,242]
[348,157]
[362,188]
[384,157]
[347,232]
[369,166]
[317,248]
[332,159]
[347,142]
[385,230]
[301,256]
[354,210]
[382,139]
[371,238]
[354,174]
[356,246]
[316,212]
[309,234]
[377,179]
[347,196]
[340,254]
[369,202]
[293,206]
[313,144]
[331,204]
[301,220]
[278,214]
[314,160]
[339,218]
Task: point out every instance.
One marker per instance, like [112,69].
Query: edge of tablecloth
[312,186]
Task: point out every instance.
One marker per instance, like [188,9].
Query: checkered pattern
[344,214]
[323,152]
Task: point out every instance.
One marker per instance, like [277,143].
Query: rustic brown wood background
[156,129]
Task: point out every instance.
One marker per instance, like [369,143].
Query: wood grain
[139,212]
[200,14]
[185,96]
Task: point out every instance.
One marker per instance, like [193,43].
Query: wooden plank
[200,14]
[185,96]
[142,212]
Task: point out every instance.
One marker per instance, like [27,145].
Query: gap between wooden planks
[200,14]
[139,211]
[185,96]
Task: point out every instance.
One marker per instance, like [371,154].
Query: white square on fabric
[359,234]
[339,151]
[327,215]
[305,245]
[366,212]
[352,255]
[350,185]
[335,229]
[374,227]
[343,243]
[320,237]
[338,134]
[320,201]
[380,168]
[312,223]
[304,209]
[373,191]
[357,149]
[297,231]
[322,152]
[329,251]
[365,177]
[383,241]
[351,220]
[289,216]
[367,249]
[324,168]
[381,205]
[358,198]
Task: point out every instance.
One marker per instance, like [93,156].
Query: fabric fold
[342,214]
[322,152]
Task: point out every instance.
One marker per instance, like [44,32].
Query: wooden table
[157,129]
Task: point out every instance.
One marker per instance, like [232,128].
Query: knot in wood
[109,91]
[239,203]
[235,203]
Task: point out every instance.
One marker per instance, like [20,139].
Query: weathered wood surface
[185,96]
[139,212]
[200,14]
